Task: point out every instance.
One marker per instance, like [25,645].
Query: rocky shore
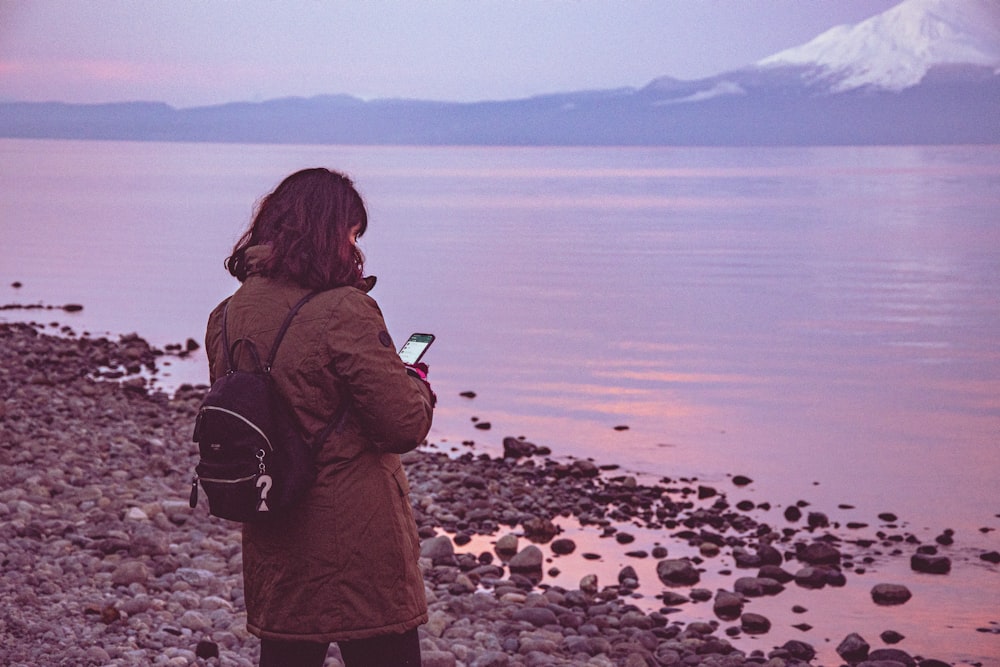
[104,563]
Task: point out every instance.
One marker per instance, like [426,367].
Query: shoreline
[99,542]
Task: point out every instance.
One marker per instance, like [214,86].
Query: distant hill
[923,72]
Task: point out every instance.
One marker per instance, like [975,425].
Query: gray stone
[563,546]
[728,606]
[440,550]
[437,659]
[130,572]
[930,564]
[491,659]
[671,598]
[890,594]
[819,553]
[745,558]
[537,616]
[754,624]
[853,648]
[892,654]
[528,559]
[769,555]
[195,621]
[811,577]
[506,545]
[677,572]
[799,650]
[753,587]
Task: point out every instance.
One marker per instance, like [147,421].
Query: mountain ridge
[839,88]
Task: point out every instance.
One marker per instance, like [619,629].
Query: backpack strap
[227,347]
[284,328]
[337,420]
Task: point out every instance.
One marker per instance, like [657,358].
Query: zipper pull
[193,500]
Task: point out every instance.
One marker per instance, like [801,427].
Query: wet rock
[584,468]
[540,530]
[818,553]
[853,648]
[528,559]
[890,594]
[627,576]
[563,546]
[701,594]
[515,448]
[892,655]
[775,572]
[727,606]
[811,577]
[677,572]
[745,558]
[708,550]
[754,624]
[946,538]
[930,564]
[769,556]
[439,550]
[755,587]
[799,650]
[891,637]
[672,598]
[537,616]
[507,545]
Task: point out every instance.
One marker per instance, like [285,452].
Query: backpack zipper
[227,481]
[244,420]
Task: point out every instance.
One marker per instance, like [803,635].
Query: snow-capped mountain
[897,48]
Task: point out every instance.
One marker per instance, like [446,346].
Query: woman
[342,565]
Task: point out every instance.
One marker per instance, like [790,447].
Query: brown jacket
[343,564]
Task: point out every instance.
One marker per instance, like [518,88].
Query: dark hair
[306,222]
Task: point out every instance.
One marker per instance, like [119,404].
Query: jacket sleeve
[393,408]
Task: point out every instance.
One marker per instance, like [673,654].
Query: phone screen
[415,347]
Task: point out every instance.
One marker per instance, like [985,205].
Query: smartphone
[413,349]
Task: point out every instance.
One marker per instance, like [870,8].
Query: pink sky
[191,53]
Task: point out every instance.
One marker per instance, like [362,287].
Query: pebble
[890,594]
[97,540]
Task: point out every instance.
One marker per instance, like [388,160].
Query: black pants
[385,651]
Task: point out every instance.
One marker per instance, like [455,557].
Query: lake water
[825,321]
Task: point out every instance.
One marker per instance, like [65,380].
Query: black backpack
[254,463]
